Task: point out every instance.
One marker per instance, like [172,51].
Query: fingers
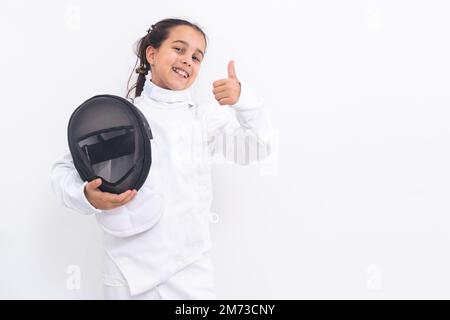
[120,200]
[231,70]
[221,95]
[220,82]
[227,88]
[94,184]
[227,91]
[112,201]
[128,198]
[231,75]
[105,200]
[221,88]
[117,198]
[226,101]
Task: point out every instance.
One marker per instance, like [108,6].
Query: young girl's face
[176,63]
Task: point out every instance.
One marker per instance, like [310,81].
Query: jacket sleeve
[242,132]
[68,186]
[136,216]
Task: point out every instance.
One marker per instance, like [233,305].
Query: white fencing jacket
[166,226]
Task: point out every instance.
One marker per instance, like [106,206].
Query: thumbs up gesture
[227,91]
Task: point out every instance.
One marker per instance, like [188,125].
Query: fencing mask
[109,138]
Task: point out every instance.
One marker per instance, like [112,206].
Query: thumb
[231,70]
[94,184]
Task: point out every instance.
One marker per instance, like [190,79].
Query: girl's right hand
[105,200]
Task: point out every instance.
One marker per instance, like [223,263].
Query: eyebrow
[186,43]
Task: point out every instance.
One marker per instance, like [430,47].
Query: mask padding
[104,150]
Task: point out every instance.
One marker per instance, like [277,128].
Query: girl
[170,259]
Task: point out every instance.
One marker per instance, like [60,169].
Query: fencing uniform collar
[165,95]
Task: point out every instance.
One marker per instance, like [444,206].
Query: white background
[355,203]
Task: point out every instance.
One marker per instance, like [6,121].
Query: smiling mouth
[180,72]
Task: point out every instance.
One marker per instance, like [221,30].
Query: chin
[179,86]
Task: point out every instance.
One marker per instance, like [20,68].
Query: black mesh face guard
[109,138]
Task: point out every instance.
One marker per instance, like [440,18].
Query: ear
[150,54]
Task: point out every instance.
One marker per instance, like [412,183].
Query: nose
[187,62]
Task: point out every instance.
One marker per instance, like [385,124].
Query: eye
[180,49]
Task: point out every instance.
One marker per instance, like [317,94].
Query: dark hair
[155,36]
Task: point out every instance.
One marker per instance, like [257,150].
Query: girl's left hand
[227,91]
